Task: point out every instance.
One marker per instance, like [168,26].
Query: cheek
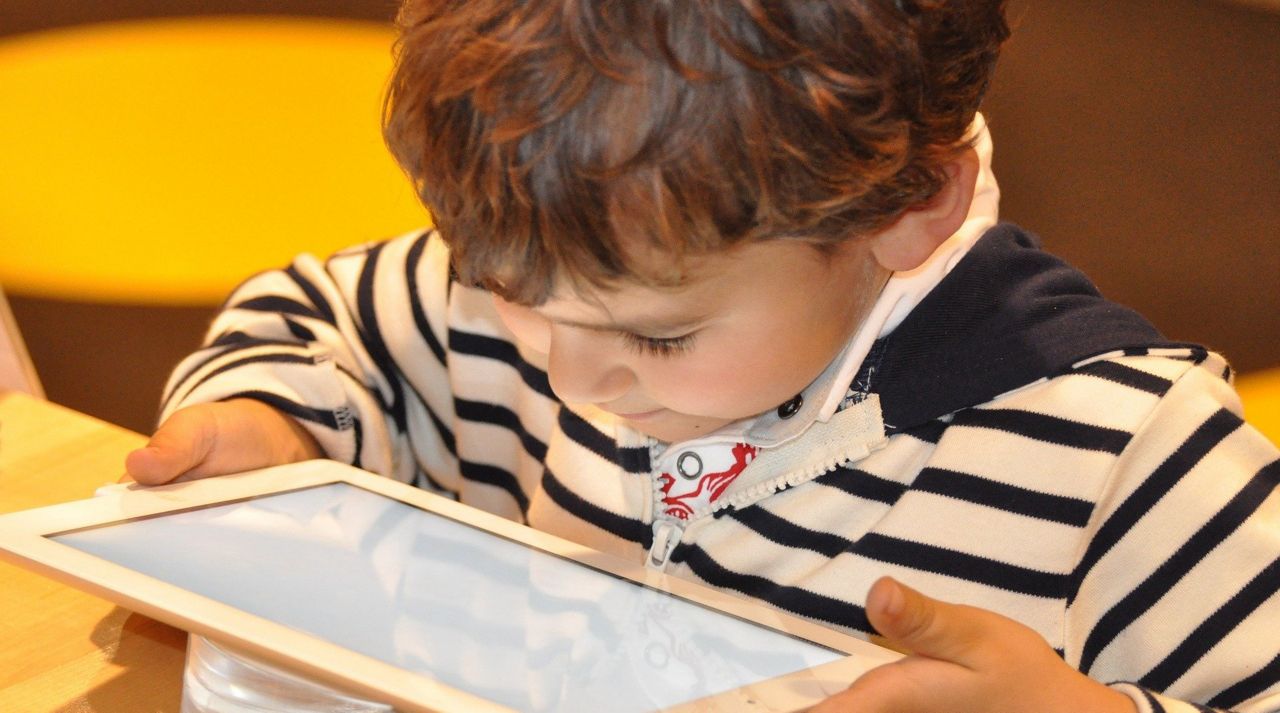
[735,379]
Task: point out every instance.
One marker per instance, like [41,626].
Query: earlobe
[909,241]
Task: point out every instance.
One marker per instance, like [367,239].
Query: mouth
[639,415]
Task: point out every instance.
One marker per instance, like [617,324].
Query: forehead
[697,288]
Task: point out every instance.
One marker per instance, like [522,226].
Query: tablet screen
[478,612]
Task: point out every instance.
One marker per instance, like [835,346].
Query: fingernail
[896,601]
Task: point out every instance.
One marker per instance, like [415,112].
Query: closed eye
[658,346]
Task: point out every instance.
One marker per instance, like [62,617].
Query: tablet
[395,594]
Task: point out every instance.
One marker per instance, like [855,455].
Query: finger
[873,692]
[913,622]
[906,686]
[178,447]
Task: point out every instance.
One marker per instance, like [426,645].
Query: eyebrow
[638,327]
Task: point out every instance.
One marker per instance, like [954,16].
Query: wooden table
[60,649]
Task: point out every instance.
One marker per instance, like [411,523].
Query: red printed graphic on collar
[701,476]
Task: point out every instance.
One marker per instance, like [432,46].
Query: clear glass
[217,680]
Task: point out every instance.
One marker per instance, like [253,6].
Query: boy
[718,285]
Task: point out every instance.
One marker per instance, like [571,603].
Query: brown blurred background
[1139,138]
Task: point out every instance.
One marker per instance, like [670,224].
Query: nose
[583,367]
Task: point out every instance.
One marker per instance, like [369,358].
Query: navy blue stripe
[357,429]
[1194,354]
[412,260]
[1242,603]
[299,331]
[1128,376]
[277,304]
[273,358]
[1226,521]
[586,435]
[503,351]
[318,300]
[623,527]
[1215,628]
[789,534]
[290,407]
[1002,496]
[1151,701]
[201,359]
[497,477]
[929,431]
[634,459]
[1050,429]
[235,341]
[1262,680]
[793,599]
[496,415]
[371,338]
[241,340]
[961,565]
[861,484]
[446,435]
[1161,481]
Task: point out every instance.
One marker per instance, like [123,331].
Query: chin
[677,427]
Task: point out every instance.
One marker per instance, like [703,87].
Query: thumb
[181,444]
[912,622]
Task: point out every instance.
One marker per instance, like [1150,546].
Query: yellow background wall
[1138,138]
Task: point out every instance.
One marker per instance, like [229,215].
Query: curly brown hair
[550,138]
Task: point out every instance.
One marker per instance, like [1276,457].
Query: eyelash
[653,346]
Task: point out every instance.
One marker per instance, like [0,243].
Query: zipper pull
[666,535]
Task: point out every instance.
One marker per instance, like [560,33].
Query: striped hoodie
[1017,443]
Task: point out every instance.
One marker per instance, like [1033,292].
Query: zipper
[666,535]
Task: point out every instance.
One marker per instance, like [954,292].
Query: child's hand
[965,659]
[220,438]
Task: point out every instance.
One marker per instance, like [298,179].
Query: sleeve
[1176,595]
[352,348]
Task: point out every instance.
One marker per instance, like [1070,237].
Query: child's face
[747,331]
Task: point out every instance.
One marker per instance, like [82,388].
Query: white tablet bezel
[25,540]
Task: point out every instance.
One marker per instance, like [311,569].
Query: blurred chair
[16,371]
[149,166]
[1260,391]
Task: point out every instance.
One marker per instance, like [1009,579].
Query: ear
[910,240]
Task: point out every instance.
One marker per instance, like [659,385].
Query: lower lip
[644,416]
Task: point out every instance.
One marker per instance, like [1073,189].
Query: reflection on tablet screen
[475,611]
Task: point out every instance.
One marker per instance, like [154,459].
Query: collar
[1008,315]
